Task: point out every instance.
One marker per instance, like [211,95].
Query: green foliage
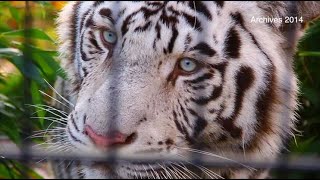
[36,61]
[307,63]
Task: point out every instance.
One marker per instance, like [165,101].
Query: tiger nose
[110,140]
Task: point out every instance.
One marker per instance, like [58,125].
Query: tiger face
[179,77]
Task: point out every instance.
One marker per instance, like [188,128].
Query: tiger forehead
[164,21]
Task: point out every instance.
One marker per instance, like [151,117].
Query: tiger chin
[175,78]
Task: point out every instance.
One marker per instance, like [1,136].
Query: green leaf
[37,99]
[48,65]
[16,14]
[309,53]
[27,68]
[32,33]
[5,171]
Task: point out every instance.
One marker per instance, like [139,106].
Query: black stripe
[175,33]
[93,41]
[83,19]
[193,21]
[185,117]
[89,22]
[264,109]
[85,72]
[157,4]
[200,125]
[198,6]
[239,20]
[168,20]
[182,129]
[127,22]
[143,28]
[187,42]
[174,12]
[233,44]
[74,138]
[198,87]
[204,48]
[84,119]
[83,54]
[97,3]
[158,30]
[123,42]
[107,13]
[177,123]
[221,67]
[121,13]
[216,92]
[192,112]
[148,12]
[73,33]
[244,79]
[219,3]
[202,78]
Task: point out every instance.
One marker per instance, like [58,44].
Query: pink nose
[115,138]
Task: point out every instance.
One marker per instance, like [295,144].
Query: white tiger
[176,77]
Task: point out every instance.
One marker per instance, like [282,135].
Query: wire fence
[28,154]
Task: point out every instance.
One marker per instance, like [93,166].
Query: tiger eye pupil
[109,37]
[187,65]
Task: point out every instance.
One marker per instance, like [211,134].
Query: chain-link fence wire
[27,154]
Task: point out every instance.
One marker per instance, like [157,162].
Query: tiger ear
[306,10]
[309,10]
[302,11]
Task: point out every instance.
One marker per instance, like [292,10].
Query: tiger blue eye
[110,37]
[187,64]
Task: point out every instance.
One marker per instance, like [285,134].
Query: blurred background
[22,76]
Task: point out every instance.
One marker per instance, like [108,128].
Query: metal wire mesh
[27,154]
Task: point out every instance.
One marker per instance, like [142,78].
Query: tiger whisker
[43,93]
[48,128]
[49,107]
[180,173]
[43,133]
[135,172]
[214,155]
[49,119]
[59,94]
[203,169]
[41,136]
[70,163]
[52,139]
[48,111]
[146,171]
[167,173]
[56,129]
[243,148]
[210,172]
[154,171]
[187,170]
[164,176]
[173,172]
[66,148]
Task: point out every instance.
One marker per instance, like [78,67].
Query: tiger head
[177,77]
